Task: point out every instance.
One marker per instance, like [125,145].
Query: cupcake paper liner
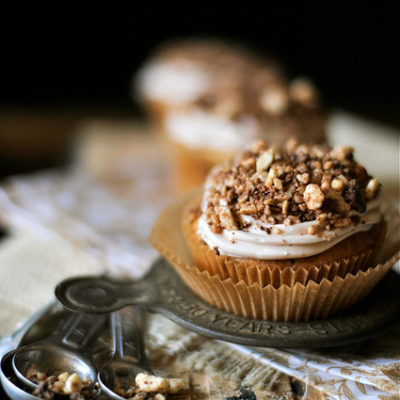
[283,298]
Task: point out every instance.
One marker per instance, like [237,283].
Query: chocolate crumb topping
[288,186]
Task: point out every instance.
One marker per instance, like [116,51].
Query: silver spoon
[13,390]
[129,353]
[66,350]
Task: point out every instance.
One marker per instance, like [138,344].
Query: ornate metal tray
[161,290]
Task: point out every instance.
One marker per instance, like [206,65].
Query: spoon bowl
[129,355]
[120,374]
[51,359]
[10,384]
[66,350]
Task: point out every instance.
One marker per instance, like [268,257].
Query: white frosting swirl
[175,84]
[200,130]
[294,242]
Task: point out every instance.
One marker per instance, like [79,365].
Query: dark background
[79,58]
[63,54]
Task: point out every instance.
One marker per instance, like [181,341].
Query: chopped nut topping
[312,230]
[342,153]
[64,384]
[337,184]
[301,183]
[274,100]
[371,189]
[226,217]
[313,196]
[303,178]
[285,207]
[278,183]
[150,387]
[150,383]
[265,160]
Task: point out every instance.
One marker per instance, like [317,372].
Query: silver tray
[162,290]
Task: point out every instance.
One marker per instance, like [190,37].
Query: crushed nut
[274,100]
[150,387]
[337,184]
[313,196]
[248,209]
[312,230]
[341,205]
[265,160]
[73,384]
[151,383]
[285,207]
[278,183]
[42,376]
[64,384]
[342,153]
[248,163]
[372,188]
[226,217]
[303,178]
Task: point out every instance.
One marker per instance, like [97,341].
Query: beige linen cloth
[96,217]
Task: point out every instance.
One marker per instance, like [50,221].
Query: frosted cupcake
[301,208]
[185,72]
[224,98]
[284,235]
[287,229]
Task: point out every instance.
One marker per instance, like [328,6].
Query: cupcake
[233,98]
[185,72]
[281,234]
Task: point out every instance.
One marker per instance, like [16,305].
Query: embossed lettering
[199,312]
[318,329]
[265,328]
[247,326]
[219,318]
[233,324]
[285,330]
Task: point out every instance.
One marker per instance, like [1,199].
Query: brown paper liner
[296,302]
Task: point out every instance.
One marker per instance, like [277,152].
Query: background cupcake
[235,97]
[283,234]
[190,71]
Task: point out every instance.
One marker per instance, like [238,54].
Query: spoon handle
[128,328]
[78,329]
